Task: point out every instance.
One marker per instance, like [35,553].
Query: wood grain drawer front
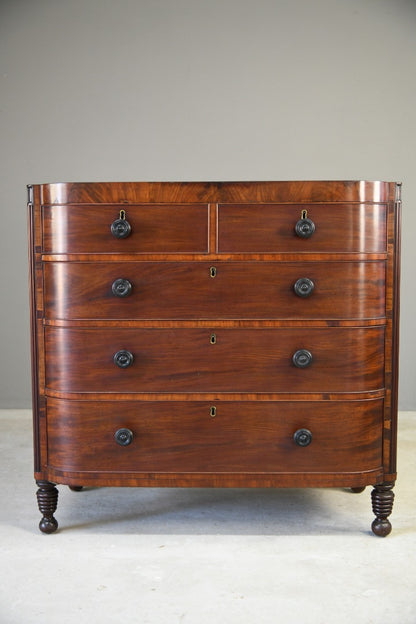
[238,360]
[240,290]
[154,229]
[242,437]
[270,228]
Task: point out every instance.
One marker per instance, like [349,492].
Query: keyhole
[304,214]
[213,271]
[213,338]
[213,411]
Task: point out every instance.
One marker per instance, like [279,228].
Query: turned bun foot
[381,528]
[382,500]
[48,525]
[358,490]
[47,496]
[76,488]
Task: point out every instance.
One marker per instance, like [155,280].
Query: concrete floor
[170,556]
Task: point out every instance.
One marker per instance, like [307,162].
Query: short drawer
[241,437]
[219,360]
[239,290]
[271,228]
[151,228]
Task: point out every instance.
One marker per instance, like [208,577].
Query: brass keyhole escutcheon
[212,411]
[213,271]
[304,214]
[213,338]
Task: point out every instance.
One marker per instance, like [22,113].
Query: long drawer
[331,228]
[153,228]
[222,360]
[228,290]
[241,437]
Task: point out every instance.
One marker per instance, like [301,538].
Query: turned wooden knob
[121,287]
[120,228]
[302,358]
[304,287]
[123,358]
[302,437]
[123,437]
[304,228]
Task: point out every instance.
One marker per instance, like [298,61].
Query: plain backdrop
[131,90]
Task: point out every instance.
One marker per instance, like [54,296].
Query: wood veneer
[213,397]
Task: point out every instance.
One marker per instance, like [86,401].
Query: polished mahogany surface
[171,229]
[245,436]
[230,334]
[240,290]
[269,228]
[254,192]
[241,360]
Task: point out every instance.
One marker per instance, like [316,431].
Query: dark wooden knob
[305,228]
[124,437]
[304,287]
[120,228]
[302,358]
[302,437]
[123,358]
[121,287]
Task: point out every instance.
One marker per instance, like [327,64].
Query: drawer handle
[302,358]
[305,227]
[304,287]
[123,358]
[121,287]
[121,228]
[302,437]
[123,437]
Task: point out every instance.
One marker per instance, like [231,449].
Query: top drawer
[270,228]
[153,228]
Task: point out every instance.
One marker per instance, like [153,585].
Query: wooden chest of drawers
[231,334]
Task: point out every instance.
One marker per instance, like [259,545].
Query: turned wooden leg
[382,499]
[47,496]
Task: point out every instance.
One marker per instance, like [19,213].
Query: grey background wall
[95,90]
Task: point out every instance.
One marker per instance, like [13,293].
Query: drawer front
[240,290]
[154,229]
[242,437]
[221,360]
[270,228]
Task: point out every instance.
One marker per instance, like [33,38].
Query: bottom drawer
[238,437]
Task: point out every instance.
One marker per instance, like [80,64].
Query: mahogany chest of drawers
[219,334]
